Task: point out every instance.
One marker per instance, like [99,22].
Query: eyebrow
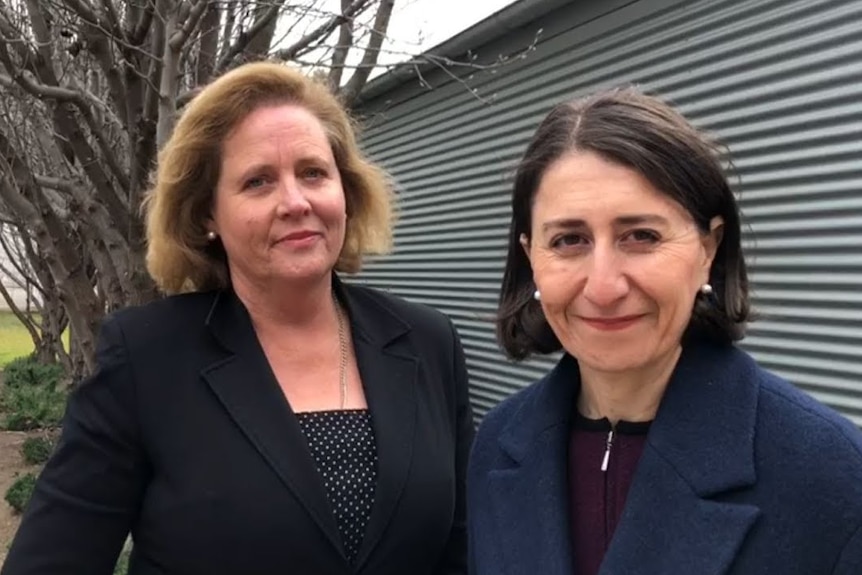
[626,220]
[252,170]
[263,165]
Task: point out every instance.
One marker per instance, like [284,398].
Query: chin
[615,361]
[312,269]
[297,277]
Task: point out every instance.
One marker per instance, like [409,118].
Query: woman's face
[279,205]
[618,263]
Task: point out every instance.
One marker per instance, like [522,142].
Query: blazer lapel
[700,446]
[389,368]
[246,387]
[529,498]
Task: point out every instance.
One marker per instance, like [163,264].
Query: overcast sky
[417,25]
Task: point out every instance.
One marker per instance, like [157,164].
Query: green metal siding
[779,82]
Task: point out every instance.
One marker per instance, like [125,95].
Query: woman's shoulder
[807,426]
[164,316]
[167,307]
[414,314]
[523,414]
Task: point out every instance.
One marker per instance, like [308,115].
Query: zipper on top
[608,445]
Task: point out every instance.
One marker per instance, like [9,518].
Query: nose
[606,283]
[292,199]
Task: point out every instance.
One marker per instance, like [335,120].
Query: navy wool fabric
[741,474]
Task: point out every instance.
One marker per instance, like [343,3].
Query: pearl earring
[211,235]
[537,295]
[706,289]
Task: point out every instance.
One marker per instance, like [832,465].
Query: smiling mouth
[611,323]
[298,237]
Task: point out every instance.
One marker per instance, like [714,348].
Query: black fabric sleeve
[89,493]
[455,555]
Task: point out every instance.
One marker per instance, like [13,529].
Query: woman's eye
[567,240]
[314,173]
[255,182]
[643,236]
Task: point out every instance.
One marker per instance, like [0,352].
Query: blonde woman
[271,419]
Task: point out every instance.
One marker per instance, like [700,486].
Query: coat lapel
[389,368]
[246,387]
[529,498]
[700,446]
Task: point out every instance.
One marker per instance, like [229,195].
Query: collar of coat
[700,445]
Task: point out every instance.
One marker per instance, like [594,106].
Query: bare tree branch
[207,51]
[58,184]
[98,103]
[15,260]
[322,31]
[179,37]
[20,315]
[142,27]
[41,91]
[39,27]
[245,39]
[52,236]
[227,32]
[83,150]
[43,283]
[345,42]
[84,10]
[99,45]
[169,75]
[10,37]
[372,51]
[114,19]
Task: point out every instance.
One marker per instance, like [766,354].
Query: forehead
[587,186]
[290,122]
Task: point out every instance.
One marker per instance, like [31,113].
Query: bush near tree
[19,493]
[37,450]
[33,395]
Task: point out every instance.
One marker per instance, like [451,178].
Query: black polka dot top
[342,444]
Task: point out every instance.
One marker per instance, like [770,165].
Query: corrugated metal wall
[780,82]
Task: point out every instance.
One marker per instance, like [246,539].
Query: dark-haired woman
[655,446]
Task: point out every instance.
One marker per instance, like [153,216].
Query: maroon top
[597,496]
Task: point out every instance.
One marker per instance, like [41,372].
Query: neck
[287,305]
[626,395]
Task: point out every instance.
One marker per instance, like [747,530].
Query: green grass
[14,339]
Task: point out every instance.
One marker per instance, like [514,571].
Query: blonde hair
[179,202]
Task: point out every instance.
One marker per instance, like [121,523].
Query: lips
[612,323]
[298,236]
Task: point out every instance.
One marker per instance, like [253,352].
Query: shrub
[19,493]
[26,371]
[36,450]
[33,394]
[32,406]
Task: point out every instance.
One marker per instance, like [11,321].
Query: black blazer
[184,438]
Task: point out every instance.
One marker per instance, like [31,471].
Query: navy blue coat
[741,474]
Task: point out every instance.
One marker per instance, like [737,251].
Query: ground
[11,464]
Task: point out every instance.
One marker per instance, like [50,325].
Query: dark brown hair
[642,133]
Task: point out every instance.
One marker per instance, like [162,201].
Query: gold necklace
[342,345]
